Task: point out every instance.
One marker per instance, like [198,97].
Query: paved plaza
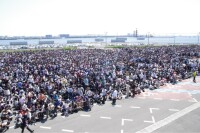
[171,109]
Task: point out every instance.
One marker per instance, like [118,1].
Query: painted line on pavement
[175,99]
[12,127]
[135,107]
[193,100]
[102,117]
[45,127]
[65,130]
[151,110]
[85,115]
[169,119]
[178,91]
[173,109]
[123,97]
[119,106]
[147,94]
[158,98]
[189,94]
[122,131]
[153,120]
[125,120]
[59,113]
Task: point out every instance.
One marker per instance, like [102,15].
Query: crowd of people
[35,85]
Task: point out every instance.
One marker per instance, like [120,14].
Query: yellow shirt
[195,74]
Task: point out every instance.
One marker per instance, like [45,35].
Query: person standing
[127,89]
[25,125]
[114,97]
[194,76]
[104,95]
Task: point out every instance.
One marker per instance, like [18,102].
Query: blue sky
[41,17]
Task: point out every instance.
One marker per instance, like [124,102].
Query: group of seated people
[39,84]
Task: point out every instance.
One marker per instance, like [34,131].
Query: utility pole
[106,37]
[136,32]
[174,39]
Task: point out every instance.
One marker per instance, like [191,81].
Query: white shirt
[114,94]
[103,92]
[127,87]
[22,100]
[29,115]
[7,92]
[141,76]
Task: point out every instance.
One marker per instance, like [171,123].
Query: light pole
[174,39]
[106,37]
[148,37]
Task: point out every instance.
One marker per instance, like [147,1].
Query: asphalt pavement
[170,109]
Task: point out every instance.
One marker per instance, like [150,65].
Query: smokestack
[136,32]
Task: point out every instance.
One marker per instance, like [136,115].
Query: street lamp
[106,37]
[174,39]
[148,37]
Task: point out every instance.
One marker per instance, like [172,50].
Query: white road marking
[193,100]
[102,117]
[151,109]
[189,94]
[125,120]
[122,131]
[153,120]
[147,94]
[168,85]
[158,98]
[175,99]
[65,130]
[45,127]
[119,106]
[95,104]
[85,115]
[169,119]
[123,97]
[12,127]
[134,107]
[59,113]
[173,109]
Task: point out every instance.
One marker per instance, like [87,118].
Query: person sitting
[96,98]
[65,109]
